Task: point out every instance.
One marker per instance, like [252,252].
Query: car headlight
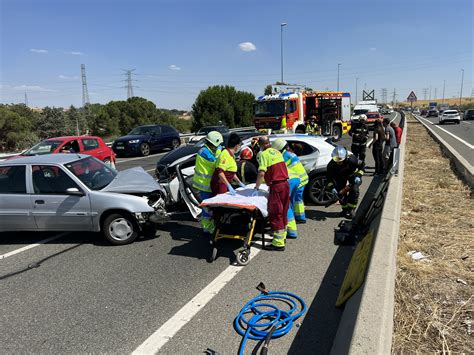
[134,141]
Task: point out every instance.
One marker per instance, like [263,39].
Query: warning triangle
[412,97]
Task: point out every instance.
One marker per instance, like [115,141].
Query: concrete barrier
[463,168]
[366,326]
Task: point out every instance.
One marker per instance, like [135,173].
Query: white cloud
[174,67]
[67,77]
[76,53]
[247,47]
[38,50]
[32,88]
[373,49]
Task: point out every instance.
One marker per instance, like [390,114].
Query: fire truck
[288,112]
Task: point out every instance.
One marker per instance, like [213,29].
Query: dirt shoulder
[434,296]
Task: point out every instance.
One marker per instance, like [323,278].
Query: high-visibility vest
[295,168]
[204,168]
[226,162]
[272,163]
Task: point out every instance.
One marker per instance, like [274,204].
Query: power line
[129,80]
[384,95]
[85,92]
[425,93]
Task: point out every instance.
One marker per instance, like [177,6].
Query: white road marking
[138,158]
[452,135]
[369,142]
[28,247]
[396,115]
[150,170]
[159,338]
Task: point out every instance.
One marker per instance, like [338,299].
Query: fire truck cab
[288,112]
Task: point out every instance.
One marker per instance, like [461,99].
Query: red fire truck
[289,111]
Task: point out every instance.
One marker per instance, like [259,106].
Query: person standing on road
[345,173]
[360,135]
[390,145]
[377,147]
[272,170]
[226,168]
[246,169]
[398,132]
[312,127]
[204,169]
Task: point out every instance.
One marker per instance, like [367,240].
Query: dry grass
[434,296]
[450,101]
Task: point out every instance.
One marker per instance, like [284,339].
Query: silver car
[72,192]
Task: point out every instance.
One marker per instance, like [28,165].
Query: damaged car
[75,192]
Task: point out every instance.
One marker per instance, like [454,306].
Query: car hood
[128,138]
[134,180]
[179,153]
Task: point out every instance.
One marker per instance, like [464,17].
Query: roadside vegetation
[434,295]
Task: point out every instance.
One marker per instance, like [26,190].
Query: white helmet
[363,118]
[279,144]
[215,138]
[339,154]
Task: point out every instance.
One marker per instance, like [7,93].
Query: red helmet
[246,153]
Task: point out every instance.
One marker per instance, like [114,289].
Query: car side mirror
[74,191]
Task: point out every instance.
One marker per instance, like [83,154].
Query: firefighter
[345,172]
[312,127]
[203,171]
[246,169]
[226,168]
[360,135]
[272,170]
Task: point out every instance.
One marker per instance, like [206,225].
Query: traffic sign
[412,97]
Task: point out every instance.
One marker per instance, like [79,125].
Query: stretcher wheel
[243,257]
[213,255]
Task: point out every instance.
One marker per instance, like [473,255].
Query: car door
[15,204]
[92,147]
[156,141]
[55,208]
[167,135]
[307,153]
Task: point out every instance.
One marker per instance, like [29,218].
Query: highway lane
[459,136]
[78,294]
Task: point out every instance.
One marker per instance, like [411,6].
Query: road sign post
[412,98]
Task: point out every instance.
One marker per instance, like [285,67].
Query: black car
[468,115]
[161,171]
[432,113]
[143,140]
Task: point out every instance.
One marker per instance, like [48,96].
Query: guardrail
[366,325]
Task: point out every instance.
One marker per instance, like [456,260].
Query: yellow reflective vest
[204,168]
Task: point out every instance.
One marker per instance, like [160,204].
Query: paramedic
[226,168]
[272,170]
[203,171]
[246,169]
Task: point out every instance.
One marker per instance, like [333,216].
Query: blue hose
[268,319]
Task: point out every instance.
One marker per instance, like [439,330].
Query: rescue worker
[272,170]
[226,168]
[312,127]
[342,170]
[203,171]
[360,135]
[246,169]
[297,176]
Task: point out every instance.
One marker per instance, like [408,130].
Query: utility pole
[436,94]
[356,97]
[425,93]
[338,66]
[462,82]
[384,95]
[444,87]
[430,92]
[281,47]
[129,80]
[26,100]
[394,96]
[85,92]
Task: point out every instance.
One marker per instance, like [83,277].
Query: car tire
[336,133]
[301,129]
[175,143]
[144,149]
[120,229]
[316,190]
[458,122]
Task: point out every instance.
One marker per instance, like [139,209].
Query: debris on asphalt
[461,281]
[416,255]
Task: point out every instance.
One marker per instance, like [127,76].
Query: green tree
[16,131]
[52,123]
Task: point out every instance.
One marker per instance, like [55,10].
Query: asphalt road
[78,294]
[459,136]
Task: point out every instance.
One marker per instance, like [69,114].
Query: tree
[16,131]
[223,103]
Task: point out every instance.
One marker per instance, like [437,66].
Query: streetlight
[356,98]
[283,24]
[444,87]
[462,82]
[338,66]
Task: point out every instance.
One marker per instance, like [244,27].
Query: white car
[450,116]
[313,151]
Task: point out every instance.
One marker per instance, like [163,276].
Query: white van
[363,107]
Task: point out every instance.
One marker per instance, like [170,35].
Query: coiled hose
[268,321]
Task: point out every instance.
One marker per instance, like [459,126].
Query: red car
[90,145]
[372,117]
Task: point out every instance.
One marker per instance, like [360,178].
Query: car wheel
[145,149]
[336,133]
[175,143]
[119,229]
[458,122]
[317,191]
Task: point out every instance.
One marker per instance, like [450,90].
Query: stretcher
[237,217]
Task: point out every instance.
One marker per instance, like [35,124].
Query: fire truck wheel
[300,129]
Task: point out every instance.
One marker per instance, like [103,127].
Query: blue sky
[181,47]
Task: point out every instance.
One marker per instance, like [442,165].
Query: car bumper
[126,149]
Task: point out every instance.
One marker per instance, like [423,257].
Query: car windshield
[360,111]
[206,130]
[92,172]
[45,147]
[140,131]
[269,108]
[373,115]
[451,112]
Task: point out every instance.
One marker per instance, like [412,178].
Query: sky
[179,47]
